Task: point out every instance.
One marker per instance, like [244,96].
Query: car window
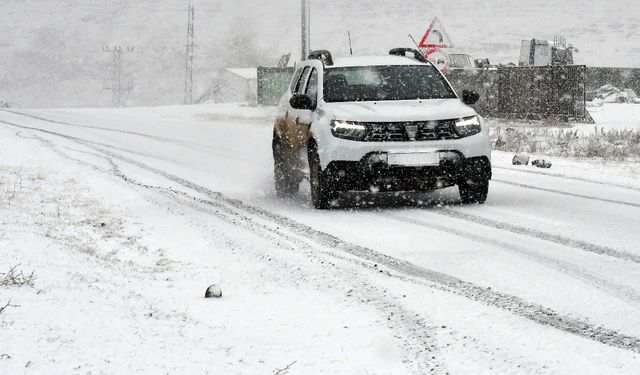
[378,83]
[295,80]
[312,85]
[302,82]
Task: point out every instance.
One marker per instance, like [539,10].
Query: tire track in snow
[575,178]
[420,353]
[173,141]
[566,193]
[420,347]
[534,312]
[128,132]
[550,237]
[570,269]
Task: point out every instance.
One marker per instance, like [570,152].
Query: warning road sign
[436,36]
[438,58]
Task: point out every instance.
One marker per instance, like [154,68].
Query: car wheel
[286,184]
[473,191]
[321,192]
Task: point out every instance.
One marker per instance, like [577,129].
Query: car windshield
[378,83]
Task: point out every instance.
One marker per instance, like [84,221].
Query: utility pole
[306,28]
[120,90]
[188,85]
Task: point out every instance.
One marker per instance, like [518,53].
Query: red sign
[436,36]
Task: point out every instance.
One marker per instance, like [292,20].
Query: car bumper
[369,174]
[337,149]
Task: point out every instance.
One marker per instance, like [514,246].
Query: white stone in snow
[213,291]
[521,159]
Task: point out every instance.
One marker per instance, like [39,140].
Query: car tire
[322,194]
[286,185]
[472,192]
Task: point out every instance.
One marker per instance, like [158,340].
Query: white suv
[382,123]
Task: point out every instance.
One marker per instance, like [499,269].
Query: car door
[304,118]
[284,108]
[290,132]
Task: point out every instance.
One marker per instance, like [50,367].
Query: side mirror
[470,97]
[302,101]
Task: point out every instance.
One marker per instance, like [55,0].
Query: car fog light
[378,158]
[450,156]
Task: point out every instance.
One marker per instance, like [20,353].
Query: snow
[127,296]
[610,94]
[616,115]
[127,216]
[246,73]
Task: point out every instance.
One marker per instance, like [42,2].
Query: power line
[188,85]
[120,90]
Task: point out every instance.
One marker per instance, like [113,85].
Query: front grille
[402,131]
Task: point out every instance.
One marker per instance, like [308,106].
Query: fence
[272,84]
[484,82]
[536,92]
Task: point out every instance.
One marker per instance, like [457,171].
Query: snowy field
[126,216]
[616,116]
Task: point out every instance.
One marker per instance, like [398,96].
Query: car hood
[401,110]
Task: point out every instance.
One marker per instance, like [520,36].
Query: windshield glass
[378,83]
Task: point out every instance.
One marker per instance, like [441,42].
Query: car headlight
[348,130]
[468,126]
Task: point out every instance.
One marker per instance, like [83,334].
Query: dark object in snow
[611,94]
[541,163]
[521,159]
[632,96]
[213,291]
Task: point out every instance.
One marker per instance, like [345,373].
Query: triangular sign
[436,36]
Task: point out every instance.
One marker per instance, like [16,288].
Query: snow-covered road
[543,278]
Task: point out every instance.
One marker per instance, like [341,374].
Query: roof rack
[322,55]
[413,53]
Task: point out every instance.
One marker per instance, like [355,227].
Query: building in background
[540,52]
[238,85]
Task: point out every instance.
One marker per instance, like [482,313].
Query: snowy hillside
[52,51]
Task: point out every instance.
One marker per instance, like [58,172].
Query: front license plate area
[414,159]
